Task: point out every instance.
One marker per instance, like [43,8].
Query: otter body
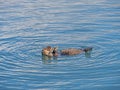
[71,51]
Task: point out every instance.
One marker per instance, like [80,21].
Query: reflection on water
[49,60]
[88,54]
[44,57]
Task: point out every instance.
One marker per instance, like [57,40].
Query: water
[26,26]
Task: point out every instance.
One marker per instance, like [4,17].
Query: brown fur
[49,51]
[71,51]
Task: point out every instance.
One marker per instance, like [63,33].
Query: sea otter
[49,51]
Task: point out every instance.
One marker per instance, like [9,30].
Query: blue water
[27,26]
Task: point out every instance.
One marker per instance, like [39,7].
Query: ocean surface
[27,26]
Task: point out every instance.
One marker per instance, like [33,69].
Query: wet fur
[49,51]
